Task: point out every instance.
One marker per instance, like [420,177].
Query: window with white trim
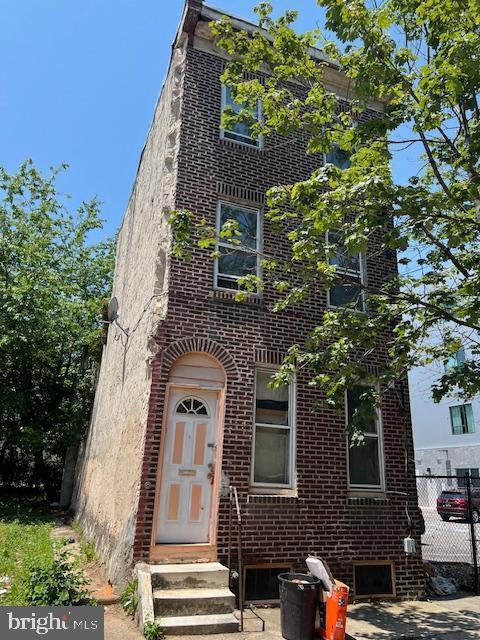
[241,131]
[365,461]
[237,260]
[348,294]
[273,447]
[461,418]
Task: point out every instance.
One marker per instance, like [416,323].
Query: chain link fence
[451,511]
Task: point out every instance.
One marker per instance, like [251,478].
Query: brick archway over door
[200,345]
[161,367]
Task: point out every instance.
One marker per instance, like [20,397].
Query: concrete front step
[189,576]
[187,599]
[196,625]
[192,602]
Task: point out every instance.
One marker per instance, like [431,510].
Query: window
[365,461]
[236,261]
[374,580]
[261,583]
[338,157]
[349,295]
[472,472]
[461,418]
[241,131]
[192,406]
[273,437]
[456,360]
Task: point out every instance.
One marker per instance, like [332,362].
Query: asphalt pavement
[447,541]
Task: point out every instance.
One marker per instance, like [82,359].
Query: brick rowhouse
[320,513]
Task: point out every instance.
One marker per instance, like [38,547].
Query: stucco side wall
[109,471]
[447,461]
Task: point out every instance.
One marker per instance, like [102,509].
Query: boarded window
[374,580]
[261,583]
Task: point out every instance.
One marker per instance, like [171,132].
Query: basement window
[261,583]
[374,580]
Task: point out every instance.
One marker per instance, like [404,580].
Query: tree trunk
[68,476]
[42,472]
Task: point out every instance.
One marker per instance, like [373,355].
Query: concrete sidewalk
[454,618]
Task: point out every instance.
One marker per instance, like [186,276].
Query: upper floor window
[241,131]
[461,418]
[273,456]
[338,157]
[456,360]
[237,260]
[347,294]
[365,461]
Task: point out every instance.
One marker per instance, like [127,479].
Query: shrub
[129,598]
[55,583]
[153,631]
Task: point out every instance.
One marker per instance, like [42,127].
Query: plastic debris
[442,586]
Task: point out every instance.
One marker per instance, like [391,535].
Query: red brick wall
[321,519]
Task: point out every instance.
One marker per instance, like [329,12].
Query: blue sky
[79,82]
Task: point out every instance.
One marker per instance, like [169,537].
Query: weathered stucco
[109,470]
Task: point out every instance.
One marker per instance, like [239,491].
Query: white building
[447,434]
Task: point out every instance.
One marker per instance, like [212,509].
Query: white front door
[188,467]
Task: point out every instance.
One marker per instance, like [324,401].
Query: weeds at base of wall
[153,630]
[129,598]
[87,548]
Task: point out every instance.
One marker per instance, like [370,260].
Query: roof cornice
[188,22]
[213,13]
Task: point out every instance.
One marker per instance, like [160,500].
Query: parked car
[453,503]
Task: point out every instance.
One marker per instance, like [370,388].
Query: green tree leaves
[53,284]
[413,78]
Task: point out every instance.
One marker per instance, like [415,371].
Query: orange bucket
[335,612]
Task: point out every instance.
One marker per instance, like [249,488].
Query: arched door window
[192,406]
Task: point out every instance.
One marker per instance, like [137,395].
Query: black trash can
[298,605]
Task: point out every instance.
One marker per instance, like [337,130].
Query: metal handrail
[234,500]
